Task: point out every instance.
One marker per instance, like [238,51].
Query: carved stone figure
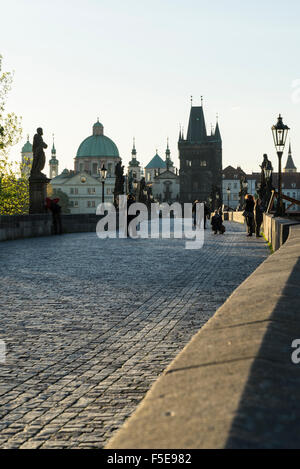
[38,154]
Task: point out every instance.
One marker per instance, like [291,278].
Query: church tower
[27,158]
[169,162]
[134,166]
[53,163]
[290,166]
[200,158]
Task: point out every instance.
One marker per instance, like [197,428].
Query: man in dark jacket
[258,216]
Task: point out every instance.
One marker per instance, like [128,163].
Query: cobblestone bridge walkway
[90,324]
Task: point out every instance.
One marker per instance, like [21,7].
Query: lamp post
[244,190]
[135,188]
[217,200]
[280,132]
[228,194]
[103,173]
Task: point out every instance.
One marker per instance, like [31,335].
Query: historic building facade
[83,185]
[200,158]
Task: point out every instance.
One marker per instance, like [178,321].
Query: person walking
[249,214]
[194,212]
[258,216]
[130,201]
[206,214]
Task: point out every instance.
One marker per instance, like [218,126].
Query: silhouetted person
[249,214]
[217,223]
[55,209]
[258,216]
[130,201]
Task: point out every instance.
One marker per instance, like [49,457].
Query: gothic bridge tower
[200,158]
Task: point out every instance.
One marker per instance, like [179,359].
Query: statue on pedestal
[38,181]
[39,158]
[119,182]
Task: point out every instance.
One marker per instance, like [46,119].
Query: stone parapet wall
[235,384]
[28,226]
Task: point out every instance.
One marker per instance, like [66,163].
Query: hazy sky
[134,64]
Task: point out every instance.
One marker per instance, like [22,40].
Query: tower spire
[290,165]
[53,151]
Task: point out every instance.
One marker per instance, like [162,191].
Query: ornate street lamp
[280,132]
[268,170]
[217,200]
[103,173]
[228,194]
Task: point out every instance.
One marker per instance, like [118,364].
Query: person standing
[55,209]
[249,214]
[258,215]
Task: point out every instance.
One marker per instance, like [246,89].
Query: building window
[203,163]
[108,191]
[235,185]
[148,177]
[72,190]
[95,168]
[293,185]
[76,203]
[91,190]
[81,167]
[189,163]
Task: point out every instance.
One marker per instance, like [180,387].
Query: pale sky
[134,64]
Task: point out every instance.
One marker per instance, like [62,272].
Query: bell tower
[53,163]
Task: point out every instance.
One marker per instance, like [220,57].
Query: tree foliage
[14,192]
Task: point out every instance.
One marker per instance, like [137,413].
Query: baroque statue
[39,158]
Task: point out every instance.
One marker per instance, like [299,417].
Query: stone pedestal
[37,193]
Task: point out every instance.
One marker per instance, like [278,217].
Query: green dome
[27,148]
[97,145]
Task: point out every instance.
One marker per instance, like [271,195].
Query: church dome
[97,145]
[27,148]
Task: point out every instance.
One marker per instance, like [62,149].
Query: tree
[14,191]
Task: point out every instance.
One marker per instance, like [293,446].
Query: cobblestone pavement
[90,324]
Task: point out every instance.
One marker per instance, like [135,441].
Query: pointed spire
[290,165]
[53,151]
[168,152]
[217,131]
[133,152]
